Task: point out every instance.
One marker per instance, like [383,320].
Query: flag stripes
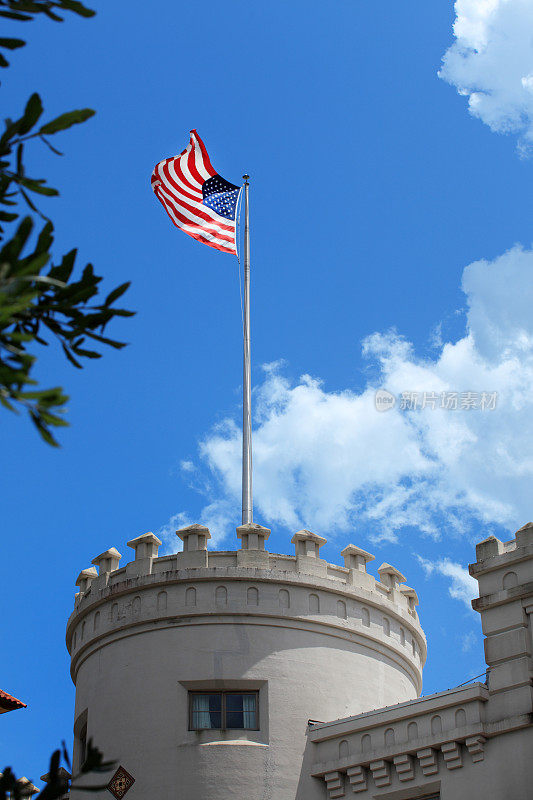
[183,184]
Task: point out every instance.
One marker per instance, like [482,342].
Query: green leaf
[11,250]
[12,44]
[32,266]
[78,8]
[49,13]
[70,357]
[16,336]
[7,405]
[46,239]
[87,353]
[53,419]
[65,121]
[52,148]
[38,187]
[116,293]
[32,112]
[15,15]
[105,340]
[15,308]
[63,271]
[36,395]
[5,217]
[31,204]
[12,128]
[122,312]
[43,430]
[20,165]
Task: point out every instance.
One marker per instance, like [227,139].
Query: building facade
[472,742]
[246,674]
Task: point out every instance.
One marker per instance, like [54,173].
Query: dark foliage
[58,784]
[40,300]
[25,10]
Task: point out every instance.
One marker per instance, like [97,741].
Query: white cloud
[330,462]
[167,533]
[491,62]
[218,516]
[468,641]
[462,587]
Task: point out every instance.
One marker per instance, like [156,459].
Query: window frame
[223,693]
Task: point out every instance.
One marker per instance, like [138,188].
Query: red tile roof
[8,703]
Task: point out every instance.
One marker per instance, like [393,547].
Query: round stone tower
[199,671]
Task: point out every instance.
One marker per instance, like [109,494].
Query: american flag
[196,198]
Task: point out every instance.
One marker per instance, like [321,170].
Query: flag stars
[221,196]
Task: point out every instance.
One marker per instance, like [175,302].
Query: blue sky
[391,235]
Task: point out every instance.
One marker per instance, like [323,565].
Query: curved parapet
[306,638]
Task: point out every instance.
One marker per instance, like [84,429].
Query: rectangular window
[223,710]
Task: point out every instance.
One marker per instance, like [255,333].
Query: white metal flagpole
[247,502]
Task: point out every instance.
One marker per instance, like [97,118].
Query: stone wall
[469,742]
[315,640]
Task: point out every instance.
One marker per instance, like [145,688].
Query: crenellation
[252,536]
[504,575]
[114,578]
[337,573]
[165,570]
[164,564]
[489,547]
[362,580]
[411,597]
[194,553]
[390,577]
[145,546]
[356,558]
[282,562]
[194,537]
[107,561]
[255,559]
[307,544]
[84,580]
[306,564]
[220,559]
[524,535]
